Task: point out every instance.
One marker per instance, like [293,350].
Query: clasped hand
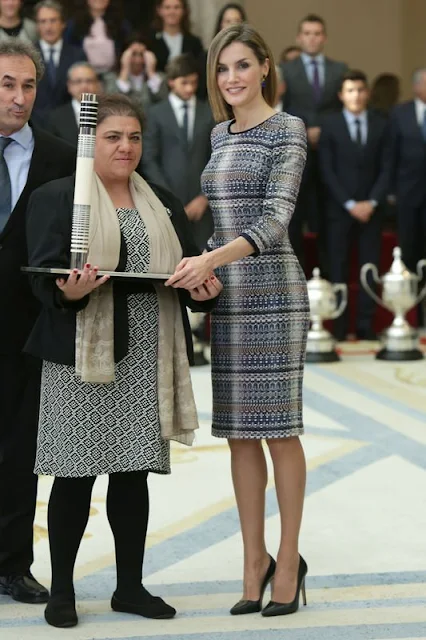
[80,283]
[195,274]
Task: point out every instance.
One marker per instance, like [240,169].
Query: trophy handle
[343,302]
[420,266]
[364,271]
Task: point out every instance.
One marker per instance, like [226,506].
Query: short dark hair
[12,47]
[291,49]
[182,66]
[354,75]
[312,17]
[54,5]
[119,105]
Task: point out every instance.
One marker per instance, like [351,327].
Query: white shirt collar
[57,47]
[352,116]
[23,137]
[178,103]
[307,59]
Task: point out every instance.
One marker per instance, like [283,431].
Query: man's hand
[313,134]
[196,208]
[150,63]
[362,211]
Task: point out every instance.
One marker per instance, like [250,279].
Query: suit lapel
[412,120]
[174,124]
[301,72]
[328,79]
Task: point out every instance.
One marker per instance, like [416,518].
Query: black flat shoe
[61,613]
[253,606]
[23,588]
[144,604]
[284,608]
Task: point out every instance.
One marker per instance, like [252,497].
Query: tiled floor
[364,529]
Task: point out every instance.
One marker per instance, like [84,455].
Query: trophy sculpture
[82,201]
[399,295]
[323,306]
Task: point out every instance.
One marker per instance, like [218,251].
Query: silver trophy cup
[323,306]
[399,295]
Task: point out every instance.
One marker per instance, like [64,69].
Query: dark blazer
[299,97]
[52,158]
[62,123]
[49,221]
[408,156]
[350,173]
[167,160]
[190,44]
[49,97]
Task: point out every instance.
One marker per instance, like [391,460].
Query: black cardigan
[49,219]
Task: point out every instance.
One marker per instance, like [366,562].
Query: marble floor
[364,528]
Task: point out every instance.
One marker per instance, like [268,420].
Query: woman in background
[260,324]
[172,35]
[231,13]
[98,26]
[13,24]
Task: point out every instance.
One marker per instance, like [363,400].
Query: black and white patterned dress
[260,323]
[93,429]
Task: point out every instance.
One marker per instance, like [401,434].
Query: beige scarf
[94,360]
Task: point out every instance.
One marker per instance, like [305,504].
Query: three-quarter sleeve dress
[260,324]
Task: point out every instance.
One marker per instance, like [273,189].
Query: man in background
[63,121]
[312,85]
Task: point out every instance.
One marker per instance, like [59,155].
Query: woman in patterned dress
[110,402]
[259,327]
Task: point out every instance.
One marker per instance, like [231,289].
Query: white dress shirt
[177,106]
[18,156]
[57,50]
[351,119]
[136,83]
[420,111]
[309,67]
[174,44]
[351,123]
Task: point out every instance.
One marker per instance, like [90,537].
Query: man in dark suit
[177,144]
[354,153]
[408,131]
[63,121]
[312,84]
[58,57]
[28,159]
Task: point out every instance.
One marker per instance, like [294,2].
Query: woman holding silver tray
[116,385]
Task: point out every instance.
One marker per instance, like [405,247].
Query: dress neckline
[236,133]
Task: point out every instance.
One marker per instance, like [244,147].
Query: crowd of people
[304,143]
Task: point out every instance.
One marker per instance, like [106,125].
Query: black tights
[127,510]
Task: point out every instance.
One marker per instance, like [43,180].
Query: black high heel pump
[284,608]
[253,606]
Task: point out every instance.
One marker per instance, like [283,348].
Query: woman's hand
[191,273]
[80,283]
[208,290]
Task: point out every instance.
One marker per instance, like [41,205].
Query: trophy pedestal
[400,343]
[320,347]
[124,276]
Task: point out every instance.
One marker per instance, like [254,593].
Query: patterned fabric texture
[260,324]
[93,429]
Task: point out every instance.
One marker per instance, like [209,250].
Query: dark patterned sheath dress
[260,324]
[90,429]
